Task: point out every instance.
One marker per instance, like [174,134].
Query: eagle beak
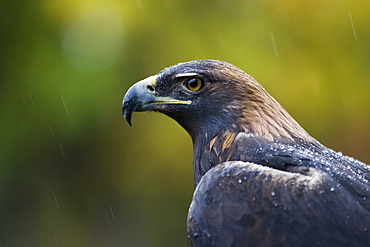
[142,97]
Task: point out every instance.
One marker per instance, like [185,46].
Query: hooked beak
[142,97]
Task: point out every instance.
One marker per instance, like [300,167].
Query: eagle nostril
[150,88]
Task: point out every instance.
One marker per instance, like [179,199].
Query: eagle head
[210,96]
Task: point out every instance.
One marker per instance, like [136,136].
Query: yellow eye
[194,84]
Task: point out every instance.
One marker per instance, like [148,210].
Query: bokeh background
[73,173]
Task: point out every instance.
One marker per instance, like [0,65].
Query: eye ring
[194,84]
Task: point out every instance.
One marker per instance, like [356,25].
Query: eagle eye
[194,84]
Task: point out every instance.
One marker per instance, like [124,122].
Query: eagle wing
[281,194]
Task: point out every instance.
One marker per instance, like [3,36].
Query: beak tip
[128,120]
[127,115]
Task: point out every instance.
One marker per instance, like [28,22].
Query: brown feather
[262,115]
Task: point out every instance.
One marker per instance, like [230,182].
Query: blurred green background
[73,173]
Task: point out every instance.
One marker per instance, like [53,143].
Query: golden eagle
[260,178]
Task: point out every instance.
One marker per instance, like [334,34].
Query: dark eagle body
[261,179]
